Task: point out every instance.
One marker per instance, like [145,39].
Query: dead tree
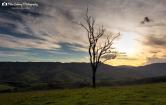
[98,52]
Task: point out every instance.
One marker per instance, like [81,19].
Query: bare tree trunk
[94,77]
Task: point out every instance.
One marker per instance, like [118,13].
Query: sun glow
[127,43]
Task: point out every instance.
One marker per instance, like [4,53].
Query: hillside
[39,74]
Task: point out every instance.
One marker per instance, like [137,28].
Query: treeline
[47,86]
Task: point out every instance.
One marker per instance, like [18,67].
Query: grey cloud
[66,13]
[154,59]
[51,23]
[13,42]
[156,45]
[156,24]
[156,41]
[155,51]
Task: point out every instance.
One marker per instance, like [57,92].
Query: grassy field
[149,94]
[4,87]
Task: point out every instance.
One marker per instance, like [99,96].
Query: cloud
[155,41]
[13,42]
[155,45]
[155,59]
[54,20]
[127,58]
[51,25]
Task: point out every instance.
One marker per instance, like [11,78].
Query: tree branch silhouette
[98,53]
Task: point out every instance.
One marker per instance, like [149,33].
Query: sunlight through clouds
[52,26]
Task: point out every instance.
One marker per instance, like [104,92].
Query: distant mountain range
[28,74]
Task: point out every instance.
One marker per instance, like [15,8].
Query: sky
[49,33]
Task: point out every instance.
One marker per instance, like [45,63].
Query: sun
[127,43]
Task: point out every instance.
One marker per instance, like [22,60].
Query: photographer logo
[4,4]
[20,5]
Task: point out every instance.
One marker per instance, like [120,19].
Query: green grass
[149,94]
[4,87]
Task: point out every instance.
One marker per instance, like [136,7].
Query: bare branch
[97,51]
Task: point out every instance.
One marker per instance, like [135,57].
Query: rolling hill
[44,74]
